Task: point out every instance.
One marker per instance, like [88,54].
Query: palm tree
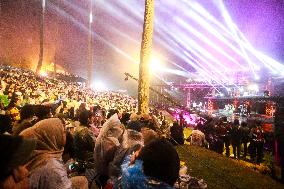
[39,64]
[145,55]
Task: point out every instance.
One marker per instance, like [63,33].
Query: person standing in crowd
[224,132]
[258,142]
[177,136]
[235,135]
[15,153]
[252,144]
[245,137]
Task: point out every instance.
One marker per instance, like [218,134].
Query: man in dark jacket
[236,138]
[245,137]
[224,132]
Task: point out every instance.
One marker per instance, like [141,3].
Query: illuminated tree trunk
[145,55]
[90,48]
[39,64]
[55,64]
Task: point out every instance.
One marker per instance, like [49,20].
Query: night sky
[117,38]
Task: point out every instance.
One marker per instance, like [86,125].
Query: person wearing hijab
[45,165]
[106,145]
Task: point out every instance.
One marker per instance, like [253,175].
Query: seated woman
[45,165]
[156,165]
[107,144]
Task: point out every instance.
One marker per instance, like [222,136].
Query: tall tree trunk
[56,42]
[90,48]
[145,55]
[55,59]
[39,64]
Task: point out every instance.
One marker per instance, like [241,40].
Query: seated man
[84,139]
[156,165]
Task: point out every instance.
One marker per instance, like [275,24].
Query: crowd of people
[34,90]
[218,134]
[59,134]
[56,133]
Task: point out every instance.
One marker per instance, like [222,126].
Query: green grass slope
[220,172]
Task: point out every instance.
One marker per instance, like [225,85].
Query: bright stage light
[176,37]
[42,73]
[156,65]
[99,86]
[43,4]
[253,87]
[256,77]
[206,40]
[91,17]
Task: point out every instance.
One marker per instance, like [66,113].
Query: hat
[15,151]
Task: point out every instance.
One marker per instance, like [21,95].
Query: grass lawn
[220,172]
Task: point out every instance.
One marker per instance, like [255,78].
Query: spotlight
[42,73]
[256,77]
[156,65]
[253,87]
[99,86]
